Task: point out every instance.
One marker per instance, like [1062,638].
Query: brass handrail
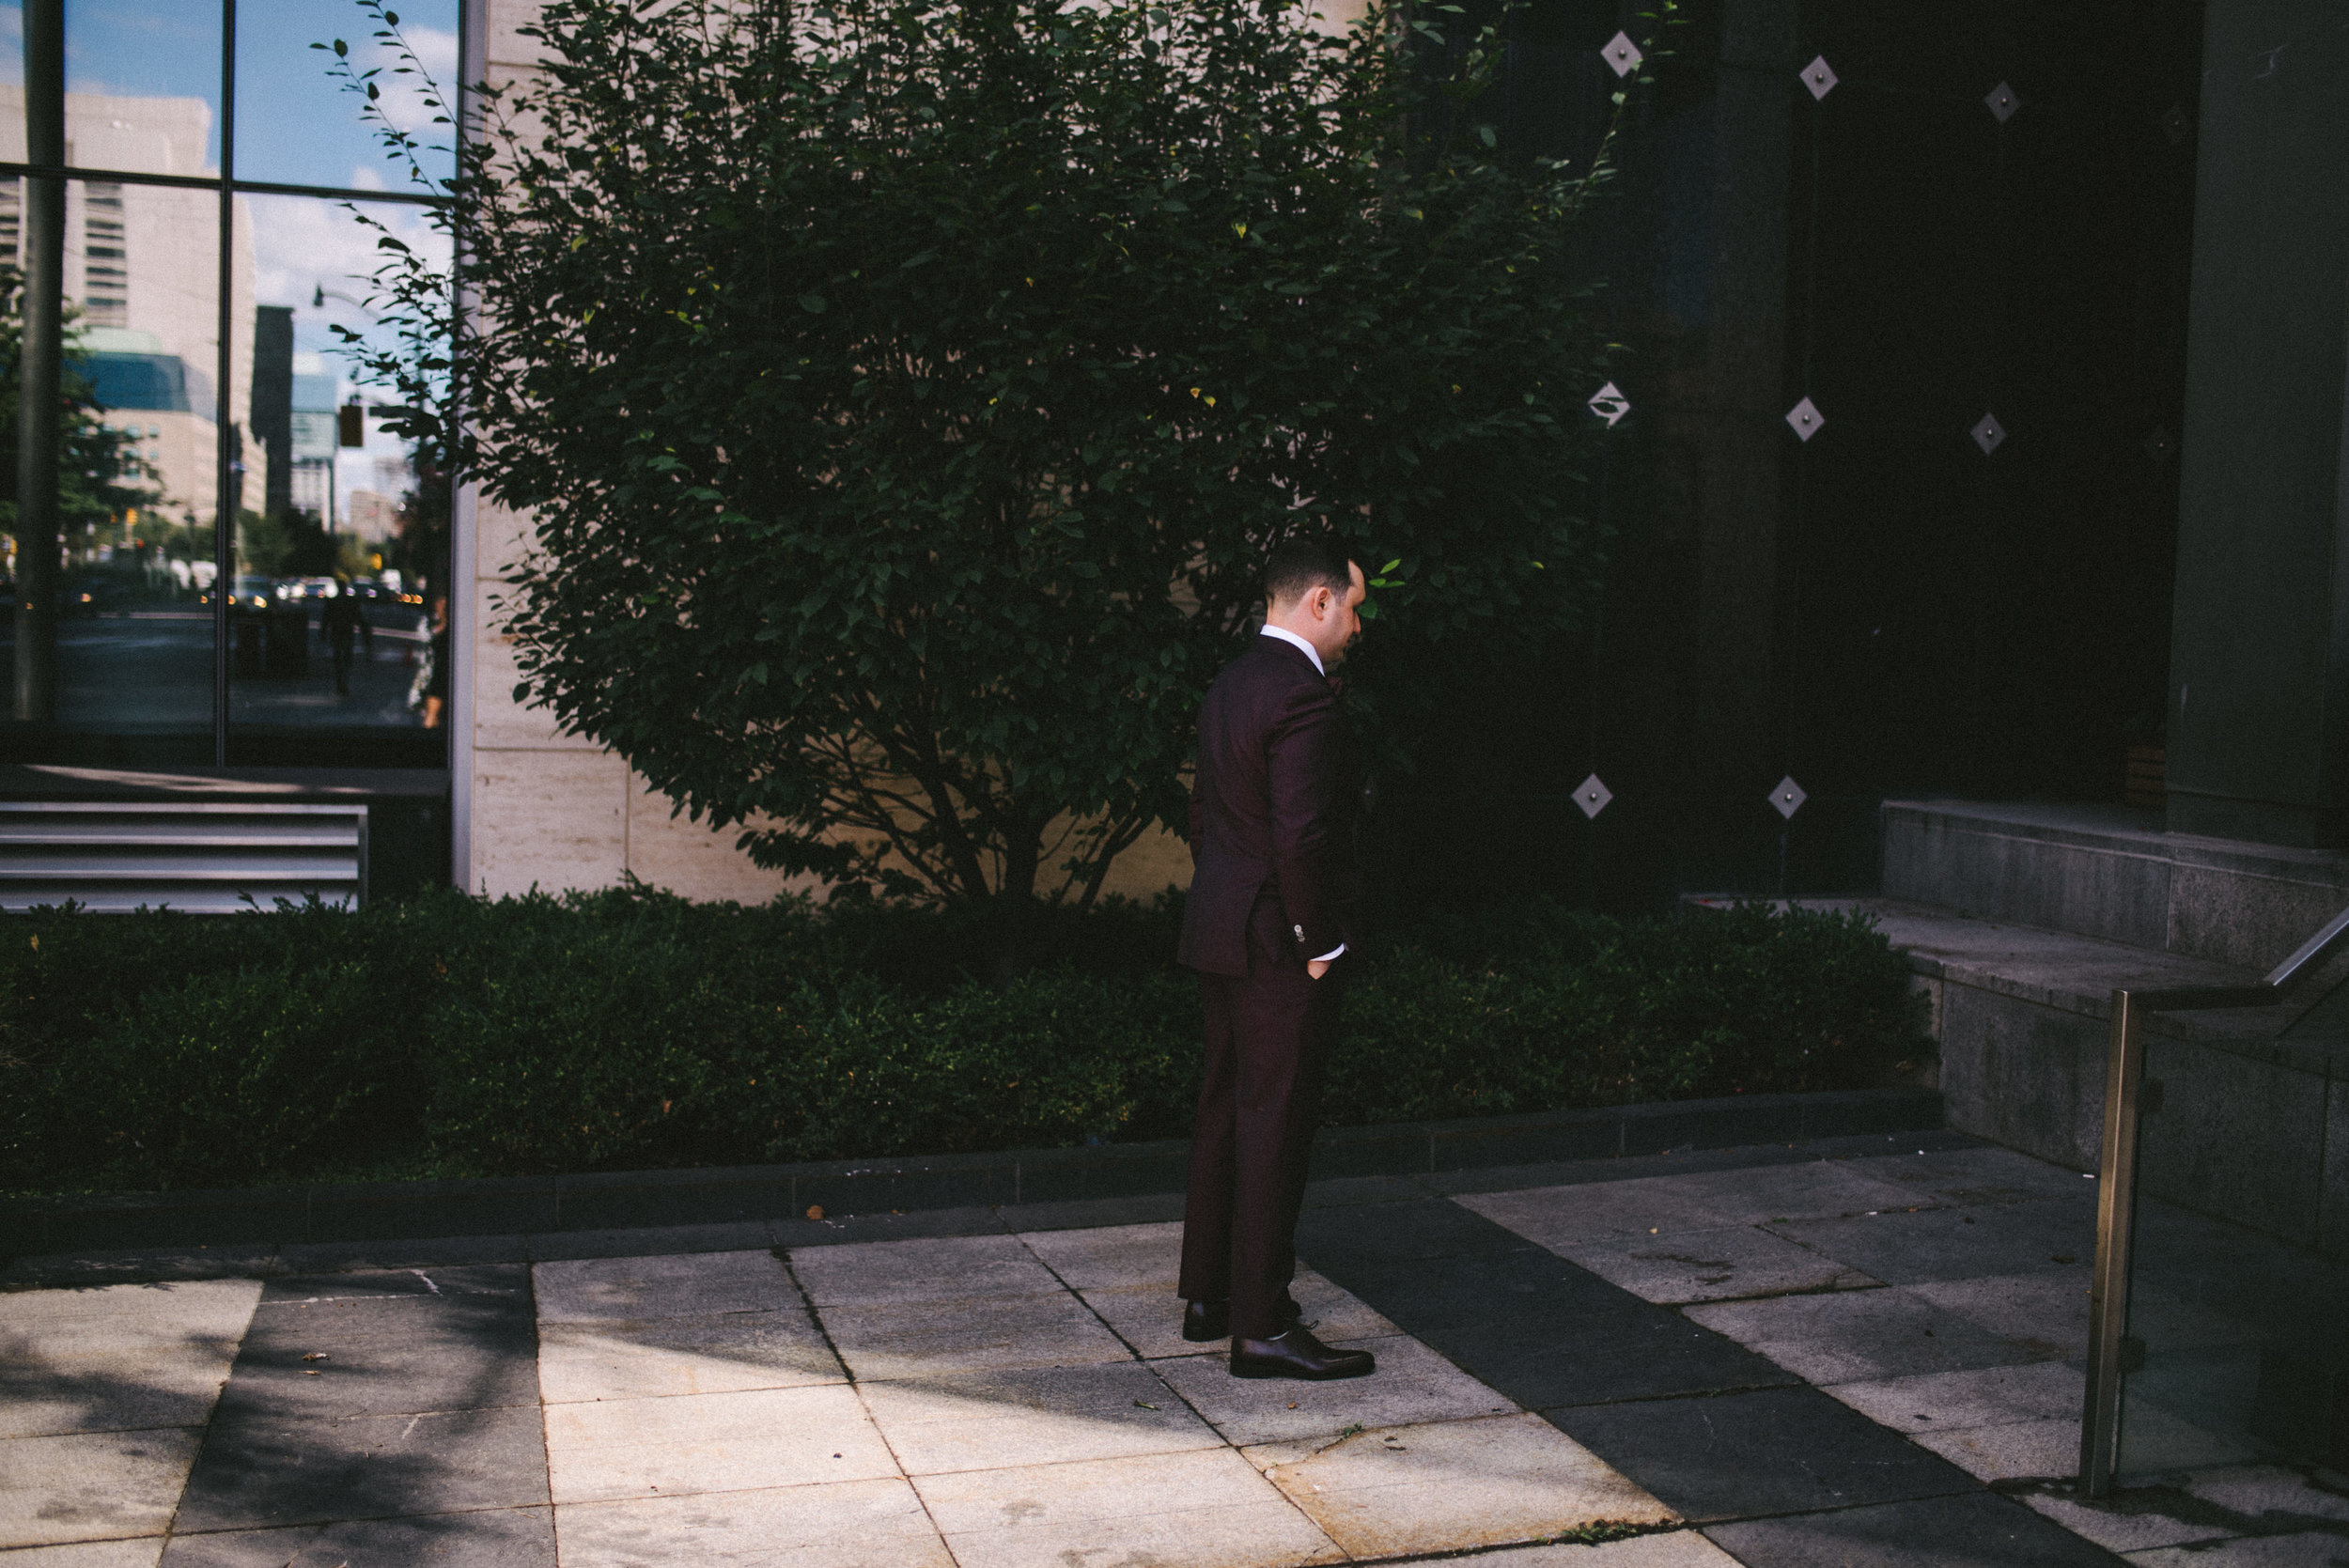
[2110,1357]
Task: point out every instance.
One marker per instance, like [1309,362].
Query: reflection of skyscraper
[310,484]
[141,268]
[273,401]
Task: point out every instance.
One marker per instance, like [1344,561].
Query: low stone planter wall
[378,1211]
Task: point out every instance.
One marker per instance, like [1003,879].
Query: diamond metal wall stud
[1805,418]
[1989,433]
[2177,124]
[1787,798]
[1609,404]
[1819,77]
[2003,102]
[2156,445]
[1592,795]
[1622,53]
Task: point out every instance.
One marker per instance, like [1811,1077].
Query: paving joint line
[782,1254]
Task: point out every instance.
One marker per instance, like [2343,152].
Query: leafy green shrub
[249,1075]
[631,1029]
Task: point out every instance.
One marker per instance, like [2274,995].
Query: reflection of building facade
[371,516]
[141,267]
[310,423]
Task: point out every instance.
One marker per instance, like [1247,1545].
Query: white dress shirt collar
[1287,636]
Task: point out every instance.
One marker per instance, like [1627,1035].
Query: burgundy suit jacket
[1275,807]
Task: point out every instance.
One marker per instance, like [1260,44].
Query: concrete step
[2110,872]
[2255,1120]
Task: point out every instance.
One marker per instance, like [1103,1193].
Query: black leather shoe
[1212,1320]
[1206,1320]
[1297,1353]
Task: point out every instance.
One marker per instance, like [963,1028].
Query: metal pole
[2116,1213]
[230,435]
[36,693]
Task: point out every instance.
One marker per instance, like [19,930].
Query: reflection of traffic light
[350,426]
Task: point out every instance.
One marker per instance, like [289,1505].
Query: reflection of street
[381,675]
[151,671]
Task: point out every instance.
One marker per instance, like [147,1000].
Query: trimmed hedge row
[455,1036]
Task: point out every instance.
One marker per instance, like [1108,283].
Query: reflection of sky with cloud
[296,125]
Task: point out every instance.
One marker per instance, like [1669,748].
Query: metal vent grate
[112,856]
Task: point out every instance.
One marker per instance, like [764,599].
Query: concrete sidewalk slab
[492,1538]
[1116,1257]
[141,1553]
[719,1442]
[1976,1530]
[2012,1450]
[1205,1509]
[1776,1451]
[2047,1312]
[942,1336]
[327,1359]
[889,1273]
[85,1486]
[119,1357]
[1400,1490]
[1959,1401]
[638,1289]
[1045,1415]
[1973,1177]
[1560,1217]
[724,1353]
[1680,1548]
[1728,1263]
[2303,1549]
[1910,1248]
[1863,1336]
[863,1523]
[281,1469]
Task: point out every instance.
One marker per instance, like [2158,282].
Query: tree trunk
[1014,921]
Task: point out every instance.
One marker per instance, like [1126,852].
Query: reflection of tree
[286,544]
[421,549]
[97,473]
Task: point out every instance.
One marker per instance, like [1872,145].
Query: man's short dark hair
[1298,565]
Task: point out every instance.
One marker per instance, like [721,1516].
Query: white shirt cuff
[1331,953]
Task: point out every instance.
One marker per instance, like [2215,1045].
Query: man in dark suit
[1274,896]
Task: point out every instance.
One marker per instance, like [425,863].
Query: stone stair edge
[2146,841]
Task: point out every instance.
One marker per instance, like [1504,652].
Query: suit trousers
[1269,1042]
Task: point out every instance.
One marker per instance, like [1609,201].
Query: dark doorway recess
[1887,610]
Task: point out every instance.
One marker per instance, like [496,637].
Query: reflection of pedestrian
[340,623]
[436,683]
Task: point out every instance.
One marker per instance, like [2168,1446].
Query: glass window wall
[316,648]
[345,535]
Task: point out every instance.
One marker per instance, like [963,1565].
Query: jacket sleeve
[1305,765]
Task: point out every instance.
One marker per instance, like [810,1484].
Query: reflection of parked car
[93,594]
[251,595]
[301,590]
